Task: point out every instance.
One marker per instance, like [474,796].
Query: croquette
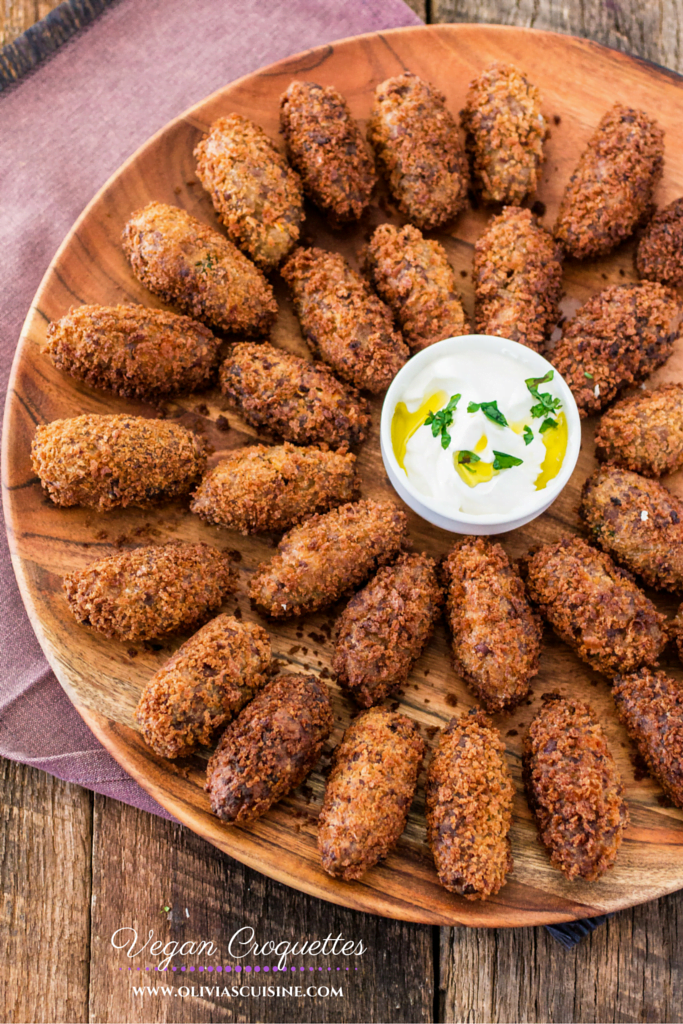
[270,748]
[327,556]
[594,606]
[385,627]
[106,462]
[644,432]
[610,192]
[469,794]
[151,591]
[517,277]
[203,686]
[343,323]
[573,788]
[369,792]
[326,146]
[257,488]
[194,267]
[419,151]
[659,256]
[505,131]
[413,276]
[495,635]
[292,399]
[256,194]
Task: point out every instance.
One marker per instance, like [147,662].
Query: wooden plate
[579,80]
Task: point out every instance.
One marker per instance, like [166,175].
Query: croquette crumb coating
[342,321]
[517,277]
[618,338]
[327,556]
[495,635]
[385,627]
[203,686]
[650,704]
[505,131]
[469,794]
[369,792]
[256,194]
[610,192]
[106,462]
[594,606]
[133,351]
[151,591]
[413,276]
[659,256]
[644,432]
[256,489]
[638,522]
[326,146]
[574,788]
[194,267]
[418,149]
[292,399]
[270,748]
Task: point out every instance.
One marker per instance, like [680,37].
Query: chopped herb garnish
[504,461]
[546,425]
[466,458]
[207,263]
[490,410]
[546,404]
[528,435]
[588,375]
[440,421]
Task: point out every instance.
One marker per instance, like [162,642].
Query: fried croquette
[327,148]
[342,321]
[385,627]
[203,686]
[595,607]
[369,792]
[610,192]
[256,194]
[256,489]
[517,277]
[505,131]
[270,748]
[327,556]
[644,432]
[469,794]
[292,399]
[659,256]
[617,338]
[151,591]
[573,788]
[413,276]
[418,149]
[107,462]
[192,266]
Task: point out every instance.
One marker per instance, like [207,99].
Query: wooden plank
[18,15]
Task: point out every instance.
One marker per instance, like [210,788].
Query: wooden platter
[579,80]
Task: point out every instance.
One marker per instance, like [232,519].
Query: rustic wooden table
[76,866]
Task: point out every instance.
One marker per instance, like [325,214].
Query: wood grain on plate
[104,678]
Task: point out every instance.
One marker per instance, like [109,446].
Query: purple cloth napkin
[65,129]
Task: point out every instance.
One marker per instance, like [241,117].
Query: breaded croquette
[517,277]
[644,432]
[327,556]
[505,131]
[327,148]
[573,788]
[638,522]
[595,607]
[469,794]
[619,337]
[610,192]
[151,591]
[107,462]
[418,149]
[650,704]
[193,266]
[256,489]
[369,792]
[203,686]
[384,628]
[292,399]
[342,321]
[256,194]
[413,276]
[270,748]
[659,256]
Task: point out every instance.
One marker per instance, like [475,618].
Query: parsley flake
[440,421]
[504,461]
[490,410]
[546,425]
[528,435]
[546,404]
[466,458]
[588,375]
